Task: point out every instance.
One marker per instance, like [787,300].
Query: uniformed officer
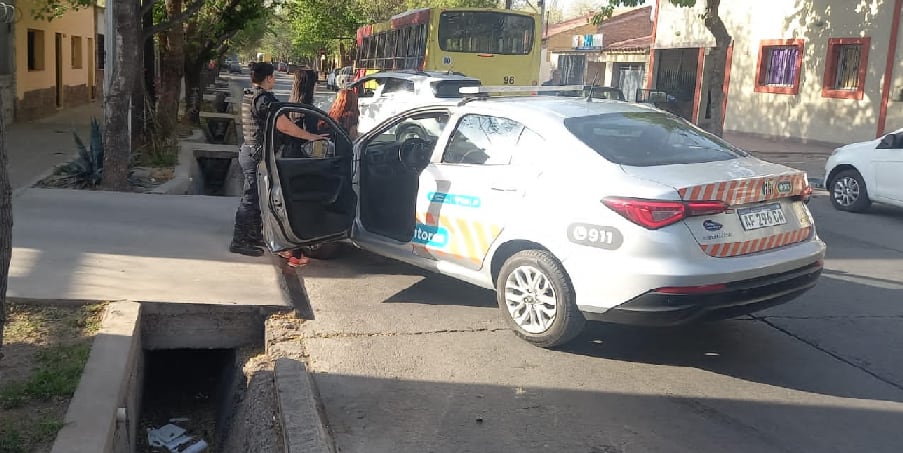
[247,237]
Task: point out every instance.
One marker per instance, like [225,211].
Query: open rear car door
[306,192]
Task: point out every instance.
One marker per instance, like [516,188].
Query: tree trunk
[6,225]
[116,138]
[172,66]
[715,65]
[193,89]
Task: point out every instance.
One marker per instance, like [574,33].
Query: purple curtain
[781,69]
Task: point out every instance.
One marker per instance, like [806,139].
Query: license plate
[762,216]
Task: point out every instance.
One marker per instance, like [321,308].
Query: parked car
[344,77]
[570,210]
[858,174]
[235,68]
[385,93]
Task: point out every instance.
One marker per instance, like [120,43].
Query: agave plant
[87,169]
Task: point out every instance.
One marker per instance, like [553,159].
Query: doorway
[630,78]
[58,51]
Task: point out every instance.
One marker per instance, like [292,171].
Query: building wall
[36,88]
[808,114]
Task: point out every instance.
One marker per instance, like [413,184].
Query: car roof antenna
[589,97]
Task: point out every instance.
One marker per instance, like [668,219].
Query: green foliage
[161,148]
[312,30]
[53,9]
[86,171]
[605,11]
[209,33]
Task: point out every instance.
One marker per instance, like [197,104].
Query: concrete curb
[303,423]
[104,402]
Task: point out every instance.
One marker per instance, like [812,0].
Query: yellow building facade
[55,65]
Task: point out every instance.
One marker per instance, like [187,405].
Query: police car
[570,209]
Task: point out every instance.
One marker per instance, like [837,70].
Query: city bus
[497,46]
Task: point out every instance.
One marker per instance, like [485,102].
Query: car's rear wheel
[537,299]
[848,192]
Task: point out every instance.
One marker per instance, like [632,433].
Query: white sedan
[569,209]
[861,173]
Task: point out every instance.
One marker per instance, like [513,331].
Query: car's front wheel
[848,192]
[537,299]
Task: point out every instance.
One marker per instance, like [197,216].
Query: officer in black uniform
[247,237]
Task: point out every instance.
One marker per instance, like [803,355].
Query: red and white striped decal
[728,249]
[745,191]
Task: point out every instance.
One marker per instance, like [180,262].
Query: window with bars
[780,64]
[846,67]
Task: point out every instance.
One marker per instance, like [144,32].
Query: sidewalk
[757,144]
[34,148]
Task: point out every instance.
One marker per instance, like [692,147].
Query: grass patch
[45,351]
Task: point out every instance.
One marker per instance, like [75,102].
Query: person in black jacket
[247,237]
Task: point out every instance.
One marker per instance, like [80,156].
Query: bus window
[486,32]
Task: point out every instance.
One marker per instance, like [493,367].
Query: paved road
[408,362]
[411,362]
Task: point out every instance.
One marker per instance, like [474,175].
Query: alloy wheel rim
[846,191]
[531,299]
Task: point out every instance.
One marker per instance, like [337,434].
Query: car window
[644,139]
[426,126]
[531,148]
[366,88]
[449,88]
[394,85]
[484,140]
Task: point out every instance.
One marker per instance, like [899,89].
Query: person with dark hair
[247,237]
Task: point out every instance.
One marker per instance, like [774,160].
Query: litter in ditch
[175,439]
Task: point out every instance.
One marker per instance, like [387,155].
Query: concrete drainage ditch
[201,369]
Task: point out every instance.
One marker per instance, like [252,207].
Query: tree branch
[146,7]
[172,22]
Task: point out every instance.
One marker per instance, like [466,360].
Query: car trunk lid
[765,207]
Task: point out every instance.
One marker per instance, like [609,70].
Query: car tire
[324,252]
[549,281]
[848,192]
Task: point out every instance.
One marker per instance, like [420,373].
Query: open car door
[306,191]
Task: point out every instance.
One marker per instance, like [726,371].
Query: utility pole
[508,4]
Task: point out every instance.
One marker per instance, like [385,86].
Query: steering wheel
[413,153]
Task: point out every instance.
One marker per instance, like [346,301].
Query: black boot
[243,243]
[245,248]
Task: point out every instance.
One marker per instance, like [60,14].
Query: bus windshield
[486,32]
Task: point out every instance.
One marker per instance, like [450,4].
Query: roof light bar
[518,89]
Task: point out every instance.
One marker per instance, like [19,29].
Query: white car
[344,77]
[861,173]
[385,93]
[569,209]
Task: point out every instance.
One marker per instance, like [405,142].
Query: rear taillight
[655,214]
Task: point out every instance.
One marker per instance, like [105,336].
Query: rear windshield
[645,139]
[449,88]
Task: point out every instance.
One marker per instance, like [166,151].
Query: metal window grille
[848,58]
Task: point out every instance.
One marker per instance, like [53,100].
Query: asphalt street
[406,361]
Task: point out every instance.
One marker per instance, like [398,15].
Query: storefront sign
[587,42]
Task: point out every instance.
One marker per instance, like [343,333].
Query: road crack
[401,334]
[835,355]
